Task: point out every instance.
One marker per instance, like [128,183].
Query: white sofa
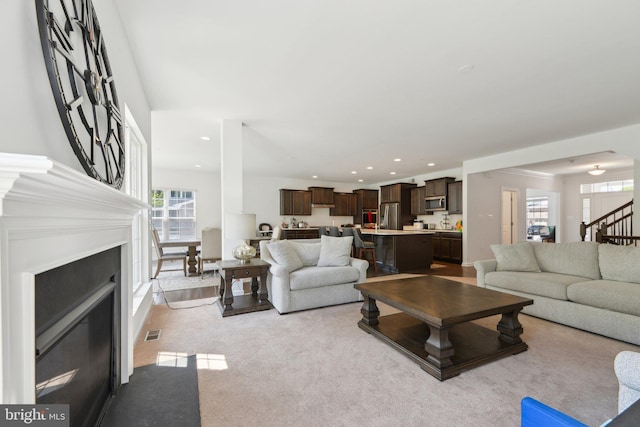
[311,273]
[585,285]
[627,367]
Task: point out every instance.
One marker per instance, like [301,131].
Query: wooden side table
[257,300]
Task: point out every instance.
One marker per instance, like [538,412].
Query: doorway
[509,216]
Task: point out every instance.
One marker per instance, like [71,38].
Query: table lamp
[242,227]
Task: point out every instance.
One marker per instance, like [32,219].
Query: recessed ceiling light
[354,172]
[467,68]
[361,180]
[198,166]
[205,138]
[431,164]
[397,160]
[369,167]
[392,173]
[315,177]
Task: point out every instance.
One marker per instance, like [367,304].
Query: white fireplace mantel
[51,215]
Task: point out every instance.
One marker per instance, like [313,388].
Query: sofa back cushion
[574,258]
[515,257]
[284,254]
[620,263]
[309,253]
[335,251]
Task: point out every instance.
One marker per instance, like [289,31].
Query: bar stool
[364,246]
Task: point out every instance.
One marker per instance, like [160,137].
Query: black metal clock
[83,87]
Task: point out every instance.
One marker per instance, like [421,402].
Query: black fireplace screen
[77,338]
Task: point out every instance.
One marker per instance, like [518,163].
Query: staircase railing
[615,227]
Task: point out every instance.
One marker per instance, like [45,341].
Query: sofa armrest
[627,368]
[362,266]
[484,267]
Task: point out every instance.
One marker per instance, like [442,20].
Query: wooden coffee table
[435,328]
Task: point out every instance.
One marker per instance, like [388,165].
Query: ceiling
[327,88]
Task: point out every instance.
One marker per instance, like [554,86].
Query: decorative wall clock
[83,87]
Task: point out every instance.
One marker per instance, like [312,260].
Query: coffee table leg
[369,311]
[510,328]
[439,347]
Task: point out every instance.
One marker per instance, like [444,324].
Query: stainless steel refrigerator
[390,216]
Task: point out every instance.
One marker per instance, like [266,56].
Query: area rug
[164,393]
[176,281]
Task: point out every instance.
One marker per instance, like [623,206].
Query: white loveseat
[311,273]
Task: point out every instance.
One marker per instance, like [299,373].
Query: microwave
[438,203]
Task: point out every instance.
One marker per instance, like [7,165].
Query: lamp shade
[240,226]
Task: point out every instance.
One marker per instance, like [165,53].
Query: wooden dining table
[191,245]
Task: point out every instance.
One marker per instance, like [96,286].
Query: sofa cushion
[611,295]
[515,257]
[334,251]
[620,263]
[575,258]
[316,277]
[285,255]
[550,285]
[309,253]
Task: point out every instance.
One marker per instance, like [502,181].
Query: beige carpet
[317,368]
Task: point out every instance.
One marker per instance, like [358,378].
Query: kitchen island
[399,251]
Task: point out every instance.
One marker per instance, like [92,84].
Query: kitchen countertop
[382,232]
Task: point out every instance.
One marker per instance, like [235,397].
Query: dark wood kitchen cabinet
[345,204]
[437,187]
[417,201]
[295,202]
[454,197]
[321,196]
[447,246]
[395,192]
[365,199]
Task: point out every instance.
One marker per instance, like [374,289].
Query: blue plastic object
[537,414]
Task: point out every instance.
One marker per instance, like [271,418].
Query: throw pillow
[285,255]
[620,263]
[309,253]
[335,251]
[516,257]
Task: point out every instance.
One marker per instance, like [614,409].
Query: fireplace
[51,218]
[77,339]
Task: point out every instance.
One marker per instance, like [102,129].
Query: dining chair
[346,232]
[276,234]
[334,231]
[162,257]
[363,246]
[210,248]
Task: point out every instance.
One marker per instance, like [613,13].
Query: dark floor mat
[157,396]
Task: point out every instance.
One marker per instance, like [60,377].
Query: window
[607,187]
[537,217]
[174,213]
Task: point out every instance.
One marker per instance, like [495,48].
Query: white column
[231,174]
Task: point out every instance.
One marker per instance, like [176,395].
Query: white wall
[261,196]
[28,116]
[483,211]
[207,188]
[480,228]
